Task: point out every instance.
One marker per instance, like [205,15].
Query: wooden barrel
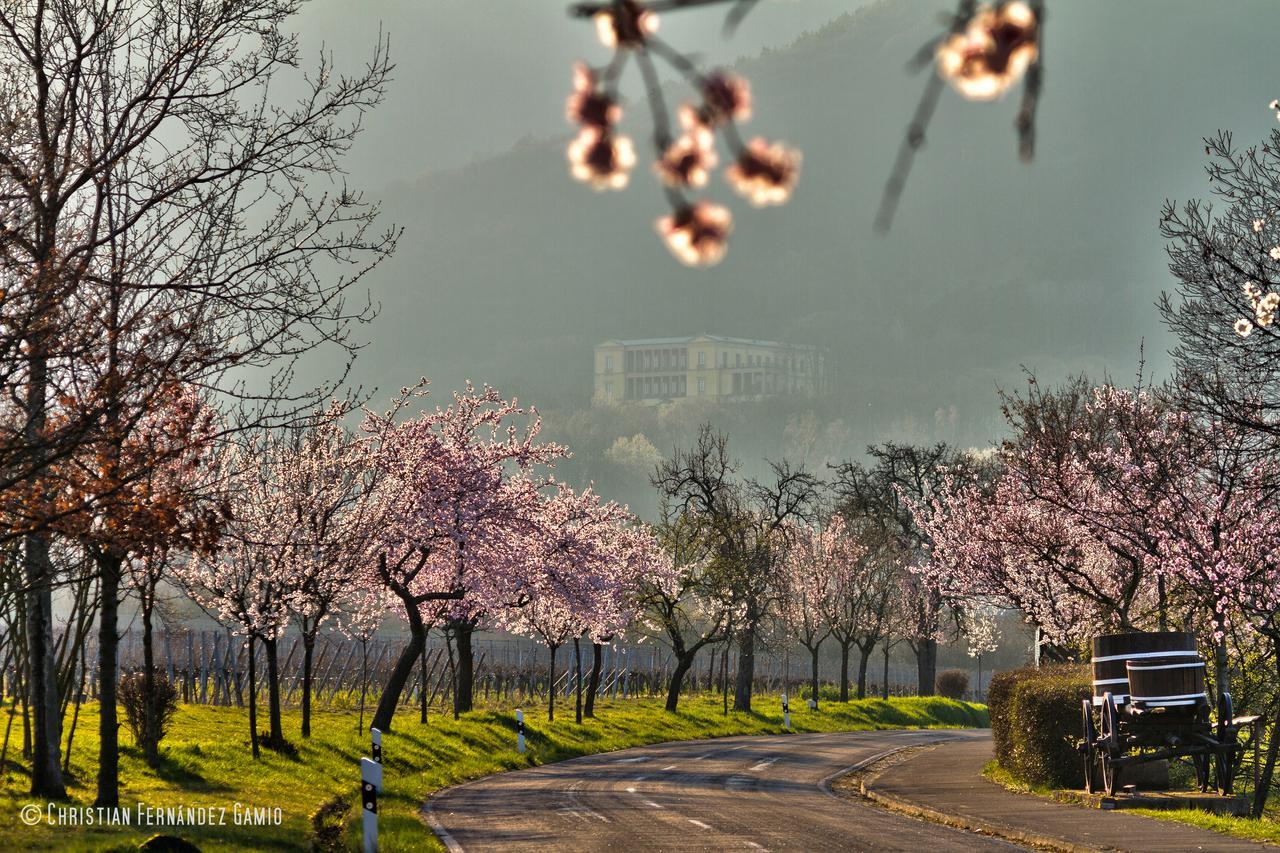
[1172,681]
[1112,651]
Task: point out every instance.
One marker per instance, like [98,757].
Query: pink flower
[686,162]
[625,25]
[697,234]
[601,158]
[725,97]
[588,106]
[992,53]
[765,173]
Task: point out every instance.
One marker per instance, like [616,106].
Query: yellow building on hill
[657,370]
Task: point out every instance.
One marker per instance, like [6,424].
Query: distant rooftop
[688,339]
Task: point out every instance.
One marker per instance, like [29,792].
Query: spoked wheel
[1089,747]
[1202,764]
[1109,745]
[1224,770]
[1110,775]
[1223,759]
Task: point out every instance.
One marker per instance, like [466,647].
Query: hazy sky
[474,76]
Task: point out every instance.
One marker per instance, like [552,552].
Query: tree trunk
[108,723]
[364,680]
[885,686]
[577,681]
[724,676]
[844,671]
[150,713]
[593,684]
[253,700]
[864,659]
[926,666]
[1273,747]
[746,668]
[308,649]
[1222,673]
[813,675]
[463,691]
[551,685]
[683,663]
[402,670]
[46,709]
[423,698]
[273,692]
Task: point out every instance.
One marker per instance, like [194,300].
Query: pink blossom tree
[450,506]
[812,563]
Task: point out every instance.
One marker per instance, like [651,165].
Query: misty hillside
[509,271]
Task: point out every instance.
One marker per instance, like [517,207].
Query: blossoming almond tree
[245,585]
[449,507]
[812,563]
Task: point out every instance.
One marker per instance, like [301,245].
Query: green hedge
[1035,723]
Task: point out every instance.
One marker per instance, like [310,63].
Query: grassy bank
[206,762]
[1263,829]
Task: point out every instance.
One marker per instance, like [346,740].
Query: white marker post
[370,783]
[520,731]
[786,713]
[812,704]
[377,745]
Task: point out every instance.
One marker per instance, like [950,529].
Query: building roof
[688,339]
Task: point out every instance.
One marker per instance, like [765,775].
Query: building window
[608,390]
[631,389]
[702,385]
[702,359]
[608,364]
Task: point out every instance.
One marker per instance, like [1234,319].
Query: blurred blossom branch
[986,51]
[696,231]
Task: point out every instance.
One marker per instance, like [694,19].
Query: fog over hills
[509,272]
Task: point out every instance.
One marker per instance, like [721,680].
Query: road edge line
[932,815]
[450,843]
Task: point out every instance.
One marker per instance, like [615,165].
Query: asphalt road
[743,793]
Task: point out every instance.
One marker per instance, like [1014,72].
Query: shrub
[163,702]
[952,683]
[1035,722]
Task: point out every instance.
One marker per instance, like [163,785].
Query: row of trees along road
[162,229]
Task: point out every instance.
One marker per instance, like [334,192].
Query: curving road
[742,793]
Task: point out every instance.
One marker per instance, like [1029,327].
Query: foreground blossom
[698,234]
[1243,327]
[687,161]
[725,97]
[588,106]
[601,158]
[991,54]
[765,173]
[625,25]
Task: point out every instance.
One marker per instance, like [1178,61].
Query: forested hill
[509,271]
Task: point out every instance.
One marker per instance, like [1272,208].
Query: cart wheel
[1202,764]
[1110,775]
[1110,723]
[1089,747]
[1224,770]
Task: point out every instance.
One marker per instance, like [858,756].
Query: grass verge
[206,763]
[1262,829]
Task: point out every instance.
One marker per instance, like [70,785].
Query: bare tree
[685,609]
[146,169]
[748,524]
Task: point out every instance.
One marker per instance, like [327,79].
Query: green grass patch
[207,762]
[1263,829]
